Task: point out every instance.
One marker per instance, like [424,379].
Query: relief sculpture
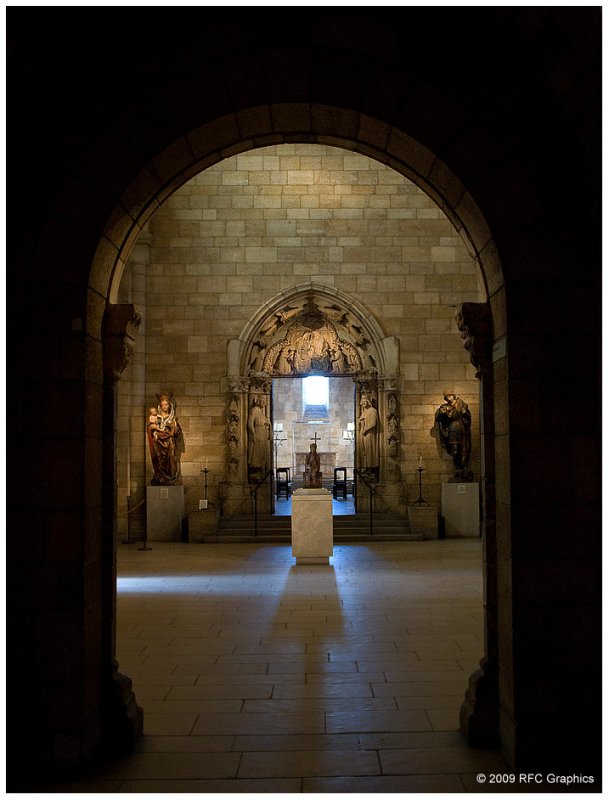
[393,436]
[233,438]
[300,341]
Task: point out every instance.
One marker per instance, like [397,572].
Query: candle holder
[420,501]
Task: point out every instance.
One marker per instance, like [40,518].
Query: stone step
[347,528]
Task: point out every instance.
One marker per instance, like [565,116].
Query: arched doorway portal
[314,330]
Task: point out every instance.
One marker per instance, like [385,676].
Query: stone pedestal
[312,533]
[164,513]
[203,524]
[423,521]
[461,509]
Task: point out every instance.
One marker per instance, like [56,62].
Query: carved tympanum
[310,336]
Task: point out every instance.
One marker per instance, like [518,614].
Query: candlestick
[421,470]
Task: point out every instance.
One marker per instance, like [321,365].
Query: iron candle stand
[420,501]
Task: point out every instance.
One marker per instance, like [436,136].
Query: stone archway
[251,370]
[495,173]
[312,330]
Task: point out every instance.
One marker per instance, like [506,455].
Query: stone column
[131,443]
[480,710]
[123,718]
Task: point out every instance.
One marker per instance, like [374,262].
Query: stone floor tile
[450,703]
[417,739]
[402,784]
[176,766]
[368,721]
[347,690]
[211,787]
[326,741]
[186,744]
[222,691]
[342,677]
[240,724]
[443,760]
[329,704]
[169,724]
[423,687]
[194,706]
[199,668]
[445,719]
[304,763]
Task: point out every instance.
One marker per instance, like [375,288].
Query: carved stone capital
[121,324]
[475,325]
[389,383]
[238,385]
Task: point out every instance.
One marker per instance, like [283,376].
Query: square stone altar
[164,513]
[423,521]
[312,530]
[461,509]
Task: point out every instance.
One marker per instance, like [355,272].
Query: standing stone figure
[258,428]
[165,441]
[369,435]
[454,421]
[312,475]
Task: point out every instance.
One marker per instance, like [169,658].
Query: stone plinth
[312,533]
[164,513]
[202,524]
[461,509]
[423,521]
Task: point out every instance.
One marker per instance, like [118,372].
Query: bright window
[315,391]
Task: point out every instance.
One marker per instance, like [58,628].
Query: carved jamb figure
[258,428]
[166,442]
[454,421]
[369,436]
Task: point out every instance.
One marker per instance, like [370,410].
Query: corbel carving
[474,323]
[121,324]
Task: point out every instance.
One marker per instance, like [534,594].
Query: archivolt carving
[309,336]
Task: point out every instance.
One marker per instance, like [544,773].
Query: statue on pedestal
[166,442]
[454,421]
[312,474]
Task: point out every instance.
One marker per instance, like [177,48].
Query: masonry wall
[256,224]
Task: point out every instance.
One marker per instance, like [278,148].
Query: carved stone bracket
[121,324]
[475,325]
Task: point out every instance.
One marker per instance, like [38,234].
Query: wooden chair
[340,483]
[283,482]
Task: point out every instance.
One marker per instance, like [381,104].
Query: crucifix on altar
[312,473]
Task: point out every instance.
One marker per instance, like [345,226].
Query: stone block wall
[239,233]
